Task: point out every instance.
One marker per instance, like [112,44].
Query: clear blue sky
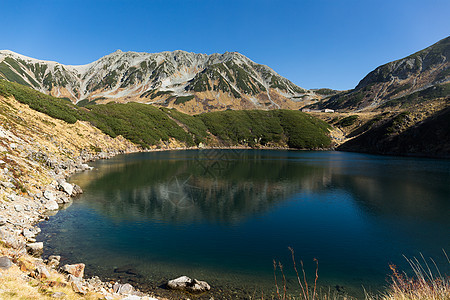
[314,43]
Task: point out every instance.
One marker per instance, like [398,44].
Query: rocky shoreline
[37,155]
[22,212]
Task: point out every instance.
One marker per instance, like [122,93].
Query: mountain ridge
[419,71]
[215,82]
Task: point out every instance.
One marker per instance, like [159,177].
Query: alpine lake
[224,216]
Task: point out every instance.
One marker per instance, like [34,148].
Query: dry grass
[15,284]
[307,292]
[427,283]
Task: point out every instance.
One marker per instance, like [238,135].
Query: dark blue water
[223,216]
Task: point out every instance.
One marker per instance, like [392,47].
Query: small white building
[327,110]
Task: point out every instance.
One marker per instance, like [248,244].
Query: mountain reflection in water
[224,215]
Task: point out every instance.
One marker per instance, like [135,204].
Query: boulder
[76,270]
[18,207]
[85,167]
[58,295]
[28,233]
[77,287]
[185,283]
[42,272]
[8,185]
[49,195]
[123,289]
[51,205]
[66,187]
[35,249]
[2,221]
[10,241]
[77,190]
[5,263]
[53,261]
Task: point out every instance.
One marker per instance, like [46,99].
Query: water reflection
[198,188]
[230,213]
[227,188]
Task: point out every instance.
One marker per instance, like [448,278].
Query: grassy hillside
[148,126]
[401,134]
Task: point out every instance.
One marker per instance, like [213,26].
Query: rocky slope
[425,71]
[37,153]
[190,82]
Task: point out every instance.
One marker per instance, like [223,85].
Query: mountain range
[424,74]
[190,82]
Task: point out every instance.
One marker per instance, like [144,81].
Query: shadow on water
[222,216]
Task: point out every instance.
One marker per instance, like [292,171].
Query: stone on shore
[76,270]
[10,240]
[8,185]
[66,187]
[53,261]
[77,190]
[185,283]
[51,205]
[49,195]
[77,287]
[58,295]
[35,249]
[5,263]
[123,289]
[42,272]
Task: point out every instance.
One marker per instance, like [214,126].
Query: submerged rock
[185,283]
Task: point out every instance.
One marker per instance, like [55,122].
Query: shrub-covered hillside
[149,126]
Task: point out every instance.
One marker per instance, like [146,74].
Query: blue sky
[313,43]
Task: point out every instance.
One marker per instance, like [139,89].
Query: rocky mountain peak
[190,81]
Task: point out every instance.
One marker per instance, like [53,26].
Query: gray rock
[35,249]
[43,272]
[66,187]
[123,289]
[5,263]
[58,295]
[28,233]
[77,190]
[185,283]
[54,257]
[77,287]
[10,240]
[135,297]
[76,270]
[85,167]
[71,278]
[51,205]
[49,195]
[18,207]
[8,184]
